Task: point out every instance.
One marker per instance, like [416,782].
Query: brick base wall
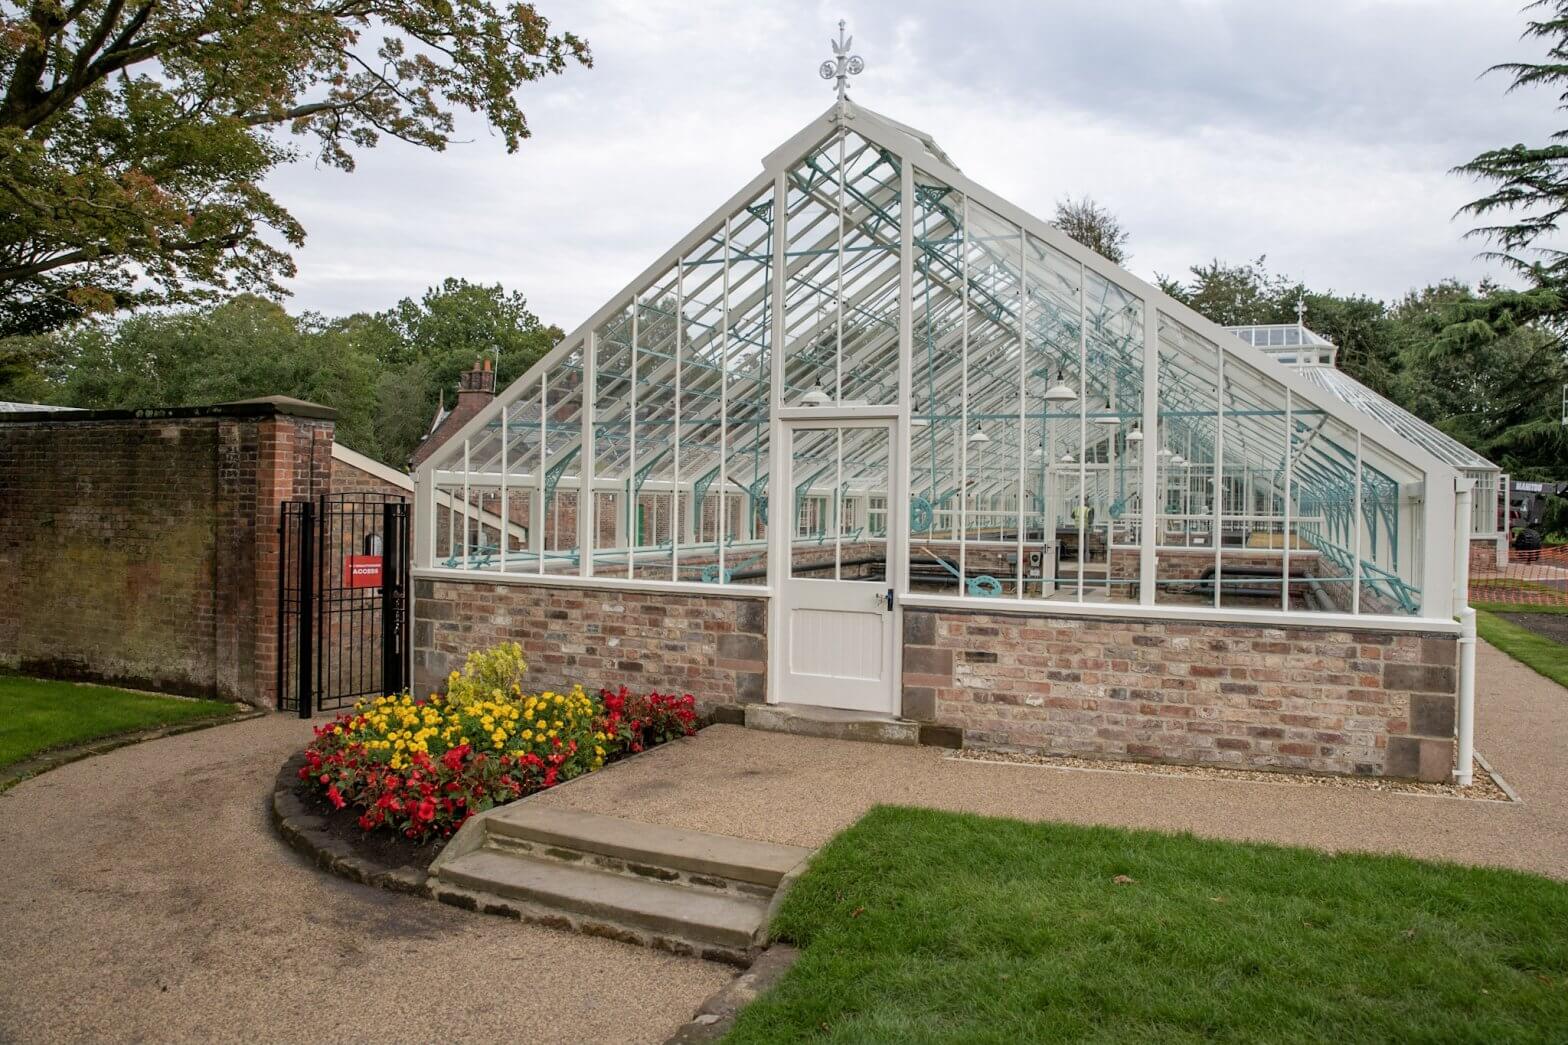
[1302,699]
[143,547]
[712,646]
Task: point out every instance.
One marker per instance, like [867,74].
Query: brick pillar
[293,459]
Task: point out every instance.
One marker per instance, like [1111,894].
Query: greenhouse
[881,403]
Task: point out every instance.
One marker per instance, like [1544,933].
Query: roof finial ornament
[1301,310]
[842,66]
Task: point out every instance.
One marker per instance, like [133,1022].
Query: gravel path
[131,912]
[801,791]
[147,898]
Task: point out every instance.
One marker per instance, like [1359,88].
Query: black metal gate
[342,600]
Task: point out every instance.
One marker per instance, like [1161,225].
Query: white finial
[843,65]
[1301,310]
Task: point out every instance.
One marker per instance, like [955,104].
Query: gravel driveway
[146,897]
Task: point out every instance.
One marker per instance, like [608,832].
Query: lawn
[922,926]
[1536,652]
[36,715]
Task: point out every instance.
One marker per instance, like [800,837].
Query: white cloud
[1319,134]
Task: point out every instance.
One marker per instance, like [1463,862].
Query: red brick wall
[346,478]
[712,646]
[1290,698]
[149,542]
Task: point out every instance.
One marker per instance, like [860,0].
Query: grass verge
[1535,652]
[37,715]
[924,926]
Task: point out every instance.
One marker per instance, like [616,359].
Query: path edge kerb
[307,834]
[46,761]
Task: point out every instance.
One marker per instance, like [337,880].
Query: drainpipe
[1466,726]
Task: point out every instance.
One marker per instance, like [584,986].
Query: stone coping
[266,406]
[47,760]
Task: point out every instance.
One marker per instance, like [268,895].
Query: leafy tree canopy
[383,372]
[135,134]
[1094,226]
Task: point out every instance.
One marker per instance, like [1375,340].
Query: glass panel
[612,443]
[937,409]
[836,472]
[561,464]
[864,476]
[841,287]
[1187,565]
[814,477]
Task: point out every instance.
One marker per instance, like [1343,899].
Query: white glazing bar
[963,410]
[587,501]
[466,503]
[781,517]
[678,516]
[840,504]
[631,463]
[1023,303]
[838,282]
[899,481]
[724,408]
[1219,468]
[1151,446]
[504,512]
[1355,567]
[1286,542]
[544,441]
[1081,515]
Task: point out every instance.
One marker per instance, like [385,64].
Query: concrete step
[808,720]
[647,850]
[598,900]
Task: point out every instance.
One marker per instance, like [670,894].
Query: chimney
[475,388]
[475,391]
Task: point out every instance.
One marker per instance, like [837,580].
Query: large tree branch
[14,273]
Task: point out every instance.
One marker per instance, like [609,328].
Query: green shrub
[489,674]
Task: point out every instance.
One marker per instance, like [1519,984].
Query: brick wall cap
[264,406]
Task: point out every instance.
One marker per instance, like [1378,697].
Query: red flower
[425,811]
[335,797]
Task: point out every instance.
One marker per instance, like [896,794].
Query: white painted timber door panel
[837,615]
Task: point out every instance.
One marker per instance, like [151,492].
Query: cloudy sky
[1320,134]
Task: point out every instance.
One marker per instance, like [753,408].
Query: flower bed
[420,767]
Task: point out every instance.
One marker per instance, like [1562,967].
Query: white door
[837,612]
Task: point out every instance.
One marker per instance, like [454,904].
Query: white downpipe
[1465,758]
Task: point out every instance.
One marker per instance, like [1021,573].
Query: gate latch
[890,598]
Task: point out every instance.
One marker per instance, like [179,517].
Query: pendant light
[1067,457]
[1178,459]
[1135,436]
[978,435]
[817,396]
[1061,392]
[918,421]
[1110,417]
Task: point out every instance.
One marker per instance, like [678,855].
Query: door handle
[889,599]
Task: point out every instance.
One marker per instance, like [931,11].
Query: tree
[383,373]
[1092,225]
[1531,181]
[440,336]
[1236,295]
[135,134]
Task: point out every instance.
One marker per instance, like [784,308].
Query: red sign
[362,571]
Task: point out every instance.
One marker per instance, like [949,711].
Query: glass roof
[861,250]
